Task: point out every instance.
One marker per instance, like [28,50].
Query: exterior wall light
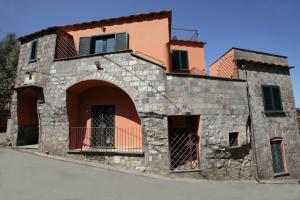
[98,65]
[28,76]
[103,28]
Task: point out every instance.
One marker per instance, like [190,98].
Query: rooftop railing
[184,34]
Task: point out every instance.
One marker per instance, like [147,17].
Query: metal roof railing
[185,34]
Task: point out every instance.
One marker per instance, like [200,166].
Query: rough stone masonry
[221,103]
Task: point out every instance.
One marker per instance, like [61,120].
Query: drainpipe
[252,135]
[40,127]
[40,101]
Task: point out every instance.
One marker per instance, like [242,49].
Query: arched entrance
[102,117]
[28,121]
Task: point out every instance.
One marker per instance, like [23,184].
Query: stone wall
[267,126]
[260,57]
[222,106]
[39,70]
[142,81]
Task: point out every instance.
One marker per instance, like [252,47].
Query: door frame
[197,133]
[283,155]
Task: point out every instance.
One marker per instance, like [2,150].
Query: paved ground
[27,176]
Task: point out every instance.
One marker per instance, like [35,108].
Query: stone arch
[93,104]
[132,92]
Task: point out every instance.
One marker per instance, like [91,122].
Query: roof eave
[52,29]
[188,42]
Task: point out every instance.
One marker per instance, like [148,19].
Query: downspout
[252,135]
[40,131]
[39,121]
[40,101]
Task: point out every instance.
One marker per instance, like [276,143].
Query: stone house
[128,92]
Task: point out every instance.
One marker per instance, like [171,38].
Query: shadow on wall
[82,96]
[101,115]
[28,130]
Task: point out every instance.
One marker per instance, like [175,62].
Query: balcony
[106,140]
[185,34]
[90,46]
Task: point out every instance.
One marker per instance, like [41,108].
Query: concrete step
[33,146]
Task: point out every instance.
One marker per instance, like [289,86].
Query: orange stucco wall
[148,36]
[27,108]
[127,121]
[225,66]
[126,115]
[73,109]
[195,55]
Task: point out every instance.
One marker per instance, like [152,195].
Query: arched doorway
[102,117]
[28,121]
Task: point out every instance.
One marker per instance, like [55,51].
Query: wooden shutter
[272,98]
[184,60]
[276,98]
[267,95]
[84,46]
[33,50]
[121,41]
[176,60]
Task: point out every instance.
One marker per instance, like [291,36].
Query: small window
[278,156]
[180,60]
[33,51]
[233,139]
[272,98]
[103,43]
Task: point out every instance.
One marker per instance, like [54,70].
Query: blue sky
[264,25]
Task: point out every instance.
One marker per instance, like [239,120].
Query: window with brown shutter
[106,43]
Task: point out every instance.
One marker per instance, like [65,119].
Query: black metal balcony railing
[110,139]
[184,34]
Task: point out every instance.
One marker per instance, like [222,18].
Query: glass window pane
[110,45]
[277,99]
[99,44]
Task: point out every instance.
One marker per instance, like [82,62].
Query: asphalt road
[26,176]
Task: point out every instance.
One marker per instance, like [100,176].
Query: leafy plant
[9,52]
